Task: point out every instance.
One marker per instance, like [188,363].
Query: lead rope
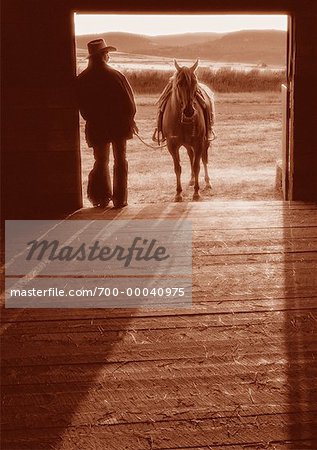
[158,147]
[149,145]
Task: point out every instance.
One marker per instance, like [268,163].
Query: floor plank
[236,370]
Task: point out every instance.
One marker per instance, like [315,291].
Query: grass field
[222,80]
[241,160]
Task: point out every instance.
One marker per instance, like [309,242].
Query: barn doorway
[243,58]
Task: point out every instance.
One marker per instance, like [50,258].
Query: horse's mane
[187,74]
[167,90]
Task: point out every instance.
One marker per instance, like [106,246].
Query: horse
[183,124]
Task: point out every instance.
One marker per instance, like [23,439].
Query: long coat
[107,104]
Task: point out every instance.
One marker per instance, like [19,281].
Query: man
[107,104]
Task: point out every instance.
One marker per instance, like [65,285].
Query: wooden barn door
[286,90]
[285,141]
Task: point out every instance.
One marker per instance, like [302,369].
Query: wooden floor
[236,371]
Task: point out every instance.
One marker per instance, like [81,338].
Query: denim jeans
[100,191]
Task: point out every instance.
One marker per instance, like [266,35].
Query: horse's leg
[204,158]
[174,151]
[196,166]
[190,152]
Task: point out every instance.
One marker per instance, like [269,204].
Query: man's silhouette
[107,104]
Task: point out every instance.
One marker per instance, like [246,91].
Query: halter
[188,120]
[187,77]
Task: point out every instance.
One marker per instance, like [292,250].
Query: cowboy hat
[98,46]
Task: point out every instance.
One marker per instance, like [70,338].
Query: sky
[153,25]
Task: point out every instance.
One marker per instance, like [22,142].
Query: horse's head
[186,84]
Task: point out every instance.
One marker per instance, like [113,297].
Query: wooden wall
[41,160]
[303,148]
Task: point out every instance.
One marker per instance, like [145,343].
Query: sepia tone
[238,369]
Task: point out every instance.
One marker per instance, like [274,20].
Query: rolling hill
[249,46]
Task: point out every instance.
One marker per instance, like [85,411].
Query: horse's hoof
[208,187]
[196,196]
[178,198]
